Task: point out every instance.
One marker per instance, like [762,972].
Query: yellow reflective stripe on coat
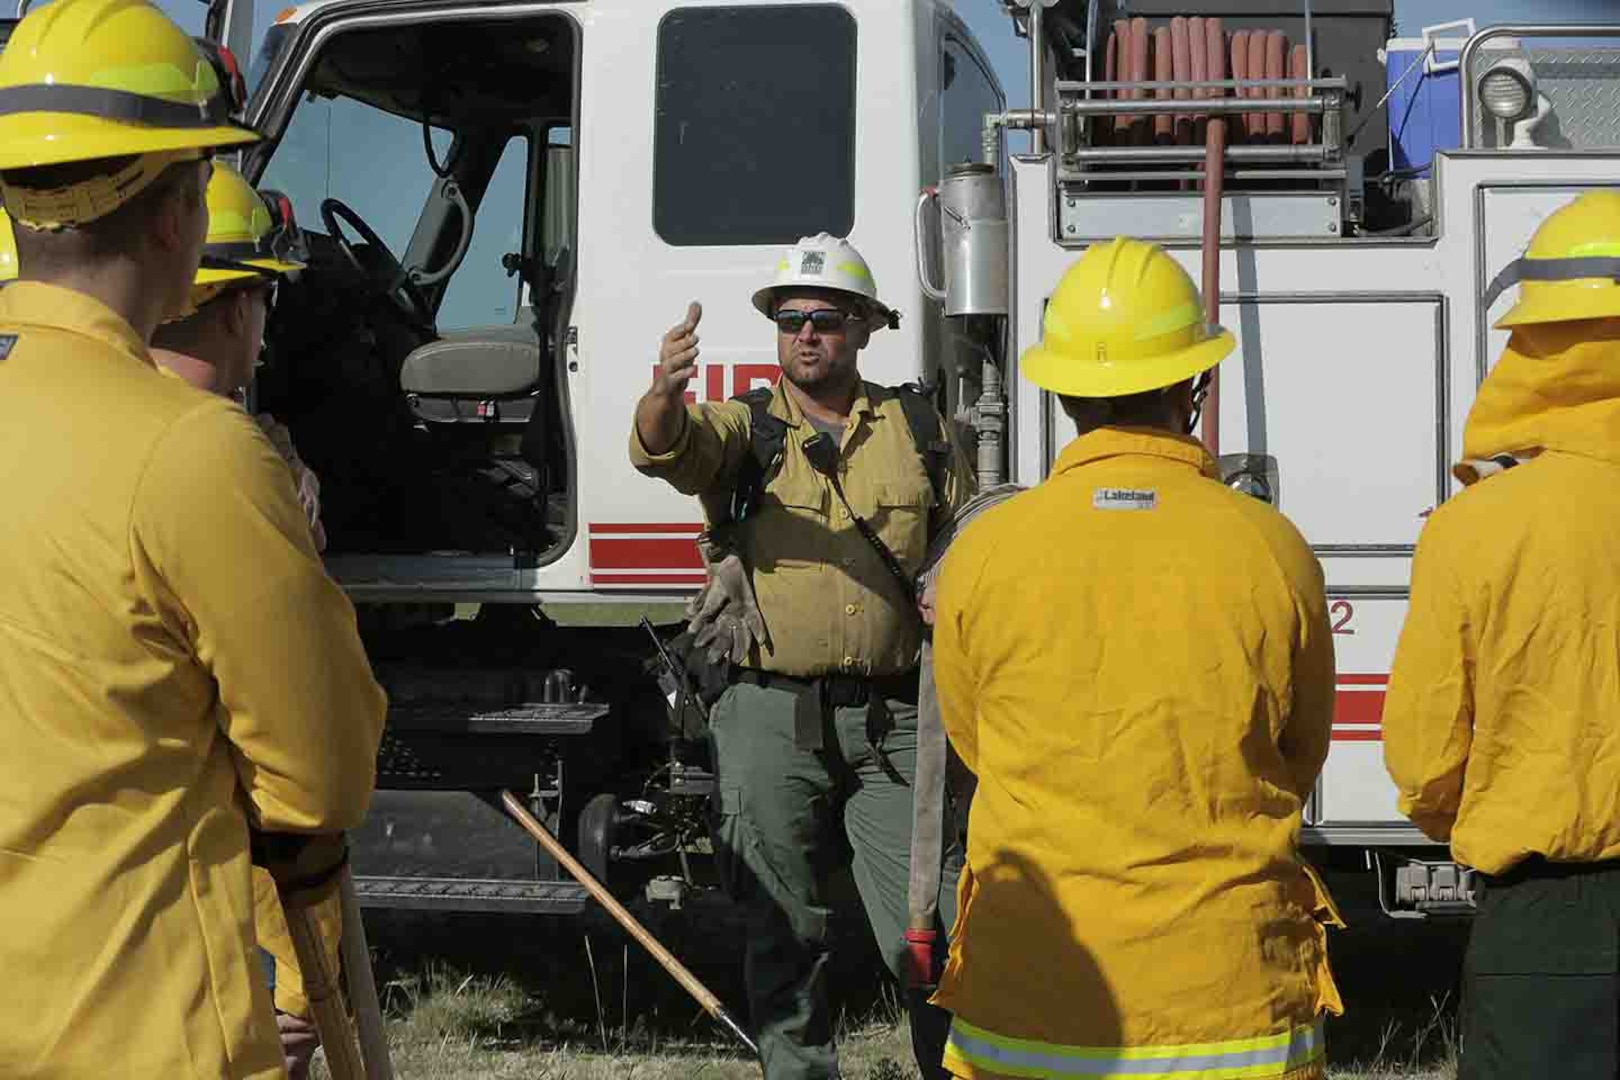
[1265,1056]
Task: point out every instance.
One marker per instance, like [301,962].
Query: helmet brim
[214,275]
[1059,373]
[1552,304]
[39,139]
[764,301]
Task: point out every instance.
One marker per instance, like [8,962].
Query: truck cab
[507,204]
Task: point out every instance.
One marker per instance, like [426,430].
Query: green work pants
[1541,981]
[781,810]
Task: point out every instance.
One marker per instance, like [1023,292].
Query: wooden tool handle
[555,849]
[325,1002]
[362,984]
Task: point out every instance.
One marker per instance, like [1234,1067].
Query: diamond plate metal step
[472,894]
[531,719]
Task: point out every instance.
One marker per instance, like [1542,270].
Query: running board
[472,894]
[566,718]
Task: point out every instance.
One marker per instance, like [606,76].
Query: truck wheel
[597,821]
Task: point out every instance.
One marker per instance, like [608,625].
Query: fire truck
[509,201]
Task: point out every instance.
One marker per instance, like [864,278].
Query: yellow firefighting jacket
[1137,664]
[1502,725]
[174,663]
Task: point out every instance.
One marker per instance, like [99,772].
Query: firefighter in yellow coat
[1502,725]
[175,665]
[1136,662]
[253,244]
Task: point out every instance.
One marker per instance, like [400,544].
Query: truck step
[472,894]
[538,718]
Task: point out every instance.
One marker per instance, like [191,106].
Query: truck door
[707,146]
[421,360]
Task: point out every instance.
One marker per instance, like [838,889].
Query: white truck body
[1358,355]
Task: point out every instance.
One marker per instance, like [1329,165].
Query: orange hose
[1198,43]
[1257,70]
[1163,71]
[1124,121]
[1214,176]
[1276,50]
[1181,70]
[1110,74]
[1300,133]
[1240,70]
[1139,73]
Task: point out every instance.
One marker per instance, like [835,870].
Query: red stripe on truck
[1358,708]
[628,553]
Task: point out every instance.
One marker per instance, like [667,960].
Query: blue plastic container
[1425,109]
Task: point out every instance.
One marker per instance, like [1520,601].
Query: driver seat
[478,395]
[490,375]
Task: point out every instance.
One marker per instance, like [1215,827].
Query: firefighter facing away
[175,665]
[820,495]
[1137,664]
[1502,724]
[252,245]
[221,342]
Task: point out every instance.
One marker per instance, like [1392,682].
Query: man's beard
[820,377]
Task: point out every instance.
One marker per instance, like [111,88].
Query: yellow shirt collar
[34,303]
[1107,442]
[785,407]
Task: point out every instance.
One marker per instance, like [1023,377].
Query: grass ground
[454,1029]
[488,997]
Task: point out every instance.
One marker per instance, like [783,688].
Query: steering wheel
[386,275]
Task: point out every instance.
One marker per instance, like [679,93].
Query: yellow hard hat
[1124,319]
[82,80]
[251,235]
[1572,268]
[8,248]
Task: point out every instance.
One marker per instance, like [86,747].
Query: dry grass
[446,1025]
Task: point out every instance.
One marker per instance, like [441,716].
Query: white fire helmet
[828,262]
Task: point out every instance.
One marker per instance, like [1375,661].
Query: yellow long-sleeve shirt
[1137,664]
[174,664]
[1502,727]
[829,603]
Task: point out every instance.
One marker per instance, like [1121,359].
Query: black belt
[818,697]
[1541,868]
[838,691]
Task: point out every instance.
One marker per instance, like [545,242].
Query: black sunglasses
[825,320]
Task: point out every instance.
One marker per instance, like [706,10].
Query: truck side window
[754,135]
[481,293]
[967,93]
[338,148]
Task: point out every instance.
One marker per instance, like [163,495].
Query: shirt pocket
[792,527]
[900,509]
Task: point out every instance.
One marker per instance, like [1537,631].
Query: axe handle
[689,982]
[321,988]
[362,986]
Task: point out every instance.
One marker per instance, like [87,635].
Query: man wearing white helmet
[821,495]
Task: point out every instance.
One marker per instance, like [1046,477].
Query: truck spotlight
[1508,89]
[1255,475]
